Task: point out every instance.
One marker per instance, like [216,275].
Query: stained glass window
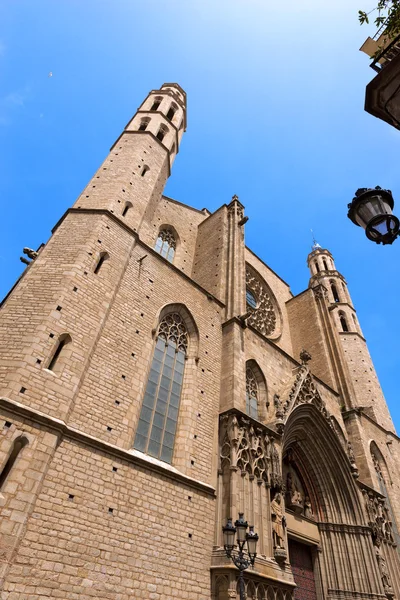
[159,415]
[166,244]
[251,394]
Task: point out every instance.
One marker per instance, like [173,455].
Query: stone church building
[157,378]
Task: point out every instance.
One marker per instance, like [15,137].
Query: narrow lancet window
[162,132]
[156,104]
[325,265]
[145,169]
[144,124]
[61,343]
[171,112]
[128,205]
[343,322]
[316,266]
[251,394]
[159,414]
[102,258]
[166,244]
[18,445]
[334,292]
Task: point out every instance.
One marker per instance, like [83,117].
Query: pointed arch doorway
[337,559]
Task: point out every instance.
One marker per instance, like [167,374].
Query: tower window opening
[343,322]
[166,244]
[251,394]
[128,205]
[316,266]
[61,343]
[144,124]
[325,265]
[18,445]
[334,292]
[162,132]
[145,170]
[171,112]
[158,419]
[156,104]
[103,257]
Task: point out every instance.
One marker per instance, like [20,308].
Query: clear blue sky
[275,115]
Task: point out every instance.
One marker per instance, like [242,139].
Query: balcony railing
[386,55]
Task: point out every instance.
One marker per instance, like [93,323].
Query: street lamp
[242,559]
[371,209]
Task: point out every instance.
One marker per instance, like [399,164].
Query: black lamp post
[371,209]
[242,559]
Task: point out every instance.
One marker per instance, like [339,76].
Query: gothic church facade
[157,377]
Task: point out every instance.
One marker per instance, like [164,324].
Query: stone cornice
[65,431]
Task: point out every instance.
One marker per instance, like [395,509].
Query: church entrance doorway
[302,566]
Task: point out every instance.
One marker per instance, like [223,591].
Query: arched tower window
[316,266]
[162,132]
[144,123]
[104,255]
[128,205]
[334,292]
[145,169]
[171,112]
[63,340]
[18,445]
[166,244]
[325,265]
[156,104]
[343,321]
[158,419]
[251,393]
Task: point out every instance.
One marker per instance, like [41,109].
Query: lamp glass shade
[241,527]
[252,539]
[229,535]
[370,208]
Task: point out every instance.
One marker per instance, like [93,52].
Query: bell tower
[132,178]
[366,391]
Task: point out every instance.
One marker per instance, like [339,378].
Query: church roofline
[269,268]
[188,206]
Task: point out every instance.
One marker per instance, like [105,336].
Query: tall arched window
[343,321]
[156,430]
[62,341]
[156,104]
[166,244]
[334,292]
[104,256]
[162,132]
[316,266]
[251,394]
[171,112]
[127,206]
[325,265]
[144,123]
[18,445]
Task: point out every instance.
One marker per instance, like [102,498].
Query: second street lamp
[241,558]
[371,209]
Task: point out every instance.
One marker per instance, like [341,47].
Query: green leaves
[388,16]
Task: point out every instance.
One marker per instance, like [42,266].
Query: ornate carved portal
[251,481]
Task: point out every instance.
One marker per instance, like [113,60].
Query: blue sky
[275,115]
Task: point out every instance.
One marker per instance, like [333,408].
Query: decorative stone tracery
[166,235]
[173,329]
[249,449]
[264,317]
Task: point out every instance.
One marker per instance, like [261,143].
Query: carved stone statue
[30,253]
[386,581]
[308,508]
[278,522]
[294,499]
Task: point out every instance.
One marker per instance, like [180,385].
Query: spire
[315,245]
